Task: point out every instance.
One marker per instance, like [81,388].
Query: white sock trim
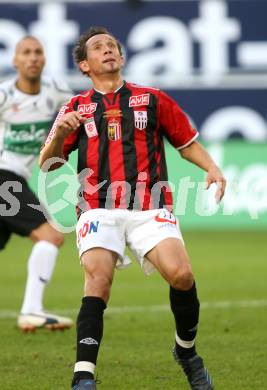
[183,343]
[84,366]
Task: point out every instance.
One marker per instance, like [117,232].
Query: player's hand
[215,176]
[69,123]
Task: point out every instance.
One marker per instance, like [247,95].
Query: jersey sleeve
[174,122]
[71,139]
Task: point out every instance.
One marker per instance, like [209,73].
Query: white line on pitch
[5,314]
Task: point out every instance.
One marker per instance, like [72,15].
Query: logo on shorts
[165,216]
[87,228]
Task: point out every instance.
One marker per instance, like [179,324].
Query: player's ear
[84,66]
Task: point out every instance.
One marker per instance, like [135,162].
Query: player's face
[103,56]
[29,59]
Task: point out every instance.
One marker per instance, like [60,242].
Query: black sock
[185,308]
[89,333]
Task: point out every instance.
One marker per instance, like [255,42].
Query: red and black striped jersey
[121,158]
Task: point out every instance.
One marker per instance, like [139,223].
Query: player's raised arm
[66,126]
[199,156]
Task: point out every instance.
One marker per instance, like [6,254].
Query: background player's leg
[41,265]
[5,234]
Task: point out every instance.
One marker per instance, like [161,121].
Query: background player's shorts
[114,229]
[17,197]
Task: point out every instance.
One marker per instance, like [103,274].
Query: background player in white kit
[27,107]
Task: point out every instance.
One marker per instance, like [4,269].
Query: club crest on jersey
[139,100]
[87,108]
[90,128]
[140,119]
[114,130]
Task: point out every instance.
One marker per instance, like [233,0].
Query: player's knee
[57,238]
[182,279]
[98,285]
[47,233]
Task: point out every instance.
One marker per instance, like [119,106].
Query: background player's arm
[199,156]
[68,124]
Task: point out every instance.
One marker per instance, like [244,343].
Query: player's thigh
[25,219]
[98,262]
[147,230]
[98,265]
[171,259]
[101,228]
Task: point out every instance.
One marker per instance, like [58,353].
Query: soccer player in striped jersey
[124,198]
[28,103]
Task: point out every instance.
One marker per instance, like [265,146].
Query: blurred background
[209,55]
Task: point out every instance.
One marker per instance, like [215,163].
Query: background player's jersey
[121,143]
[25,121]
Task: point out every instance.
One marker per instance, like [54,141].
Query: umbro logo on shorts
[162,218]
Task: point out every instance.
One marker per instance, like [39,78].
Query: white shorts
[116,228]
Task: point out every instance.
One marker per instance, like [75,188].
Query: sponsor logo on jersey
[90,128]
[25,138]
[112,113]
[59,116]
[139,100]
[165,216]
[140,119]
[87,108]
[114,130]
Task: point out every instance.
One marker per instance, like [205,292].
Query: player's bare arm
[65,126]
[199,156]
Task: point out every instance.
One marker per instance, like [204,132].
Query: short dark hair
[79,51]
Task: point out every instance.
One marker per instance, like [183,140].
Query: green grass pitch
[231,273]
